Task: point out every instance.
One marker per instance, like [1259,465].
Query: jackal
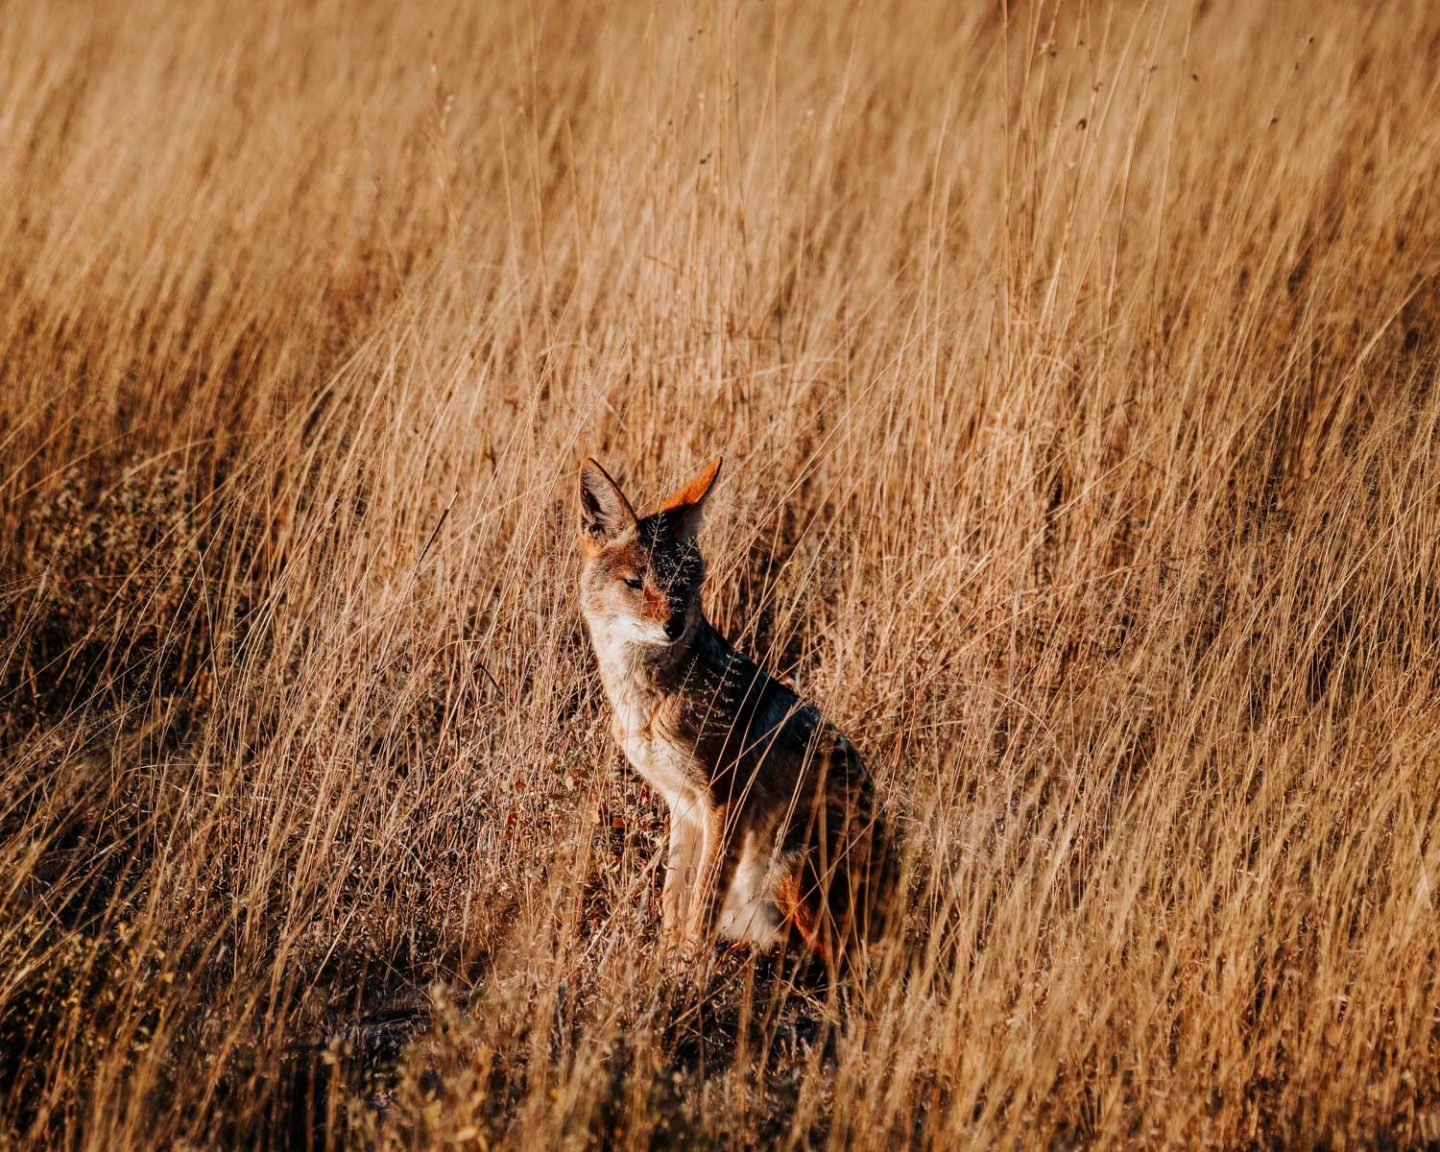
[775,833]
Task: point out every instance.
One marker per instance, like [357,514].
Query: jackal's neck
[630,669]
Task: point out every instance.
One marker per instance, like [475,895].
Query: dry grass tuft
[1076,372]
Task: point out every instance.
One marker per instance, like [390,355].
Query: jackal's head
[641,578]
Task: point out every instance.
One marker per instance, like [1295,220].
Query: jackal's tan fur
[774,829]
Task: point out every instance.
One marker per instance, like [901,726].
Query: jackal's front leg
[712,879]
[682,871]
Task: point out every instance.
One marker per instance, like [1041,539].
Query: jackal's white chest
[665,766]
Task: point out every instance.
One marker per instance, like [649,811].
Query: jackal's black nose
[674,626]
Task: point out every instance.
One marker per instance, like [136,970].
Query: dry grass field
[1075,369]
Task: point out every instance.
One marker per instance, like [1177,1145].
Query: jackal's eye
[634,583]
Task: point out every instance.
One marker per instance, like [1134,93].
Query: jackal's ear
[685,506]
[605,514]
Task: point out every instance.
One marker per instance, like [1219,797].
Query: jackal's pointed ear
[605,514]
[685,506]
